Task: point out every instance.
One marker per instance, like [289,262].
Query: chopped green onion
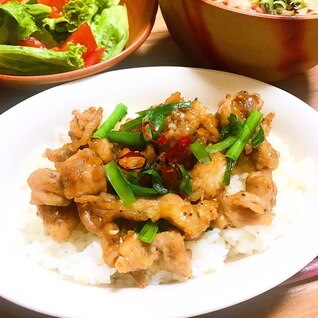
[185,184]
[156,115]
[116,116]
[165,109]
[227,174]
[249,127]
[131,124]
[200,152]
[259,138]
[156,181]
[148,232]
[154,174]
[221,145]
[119,183]
[160,188]
[143,191]
[127,138]
[132,176]
[234,128]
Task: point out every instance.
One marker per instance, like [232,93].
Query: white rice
[81,257]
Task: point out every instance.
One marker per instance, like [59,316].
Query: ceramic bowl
[141,16]
[263,46]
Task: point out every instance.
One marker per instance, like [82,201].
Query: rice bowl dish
[294,234]
[82,255]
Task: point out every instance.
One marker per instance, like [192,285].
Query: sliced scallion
[200,152]
[119,183]
[127,138]
[221,145]
[227,174]
[148,232]
[259,138]
[116,116]
[185,184]
[249,127]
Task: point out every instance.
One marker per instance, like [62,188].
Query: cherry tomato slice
[95,57]
[56,5]
[32,42]
[84,36]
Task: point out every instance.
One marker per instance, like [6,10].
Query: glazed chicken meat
[148,185]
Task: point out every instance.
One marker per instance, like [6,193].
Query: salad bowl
[139,28]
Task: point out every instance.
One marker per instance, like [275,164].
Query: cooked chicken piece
[47,188]
[174,98]
[171,254]
[103,149]
[252,206]
[60,154]
[265,156]
[180,123]
[81,129]
[91,221]
[110,238]
[186,122]
[267,123]
[130,160]
[211,125]
[84,124]
[243,208]
[59,222]
[261,184]
[166,252]
[141,278]
[243,164]
[192,219]
[150,153]
[82,174]
[240,105]
[134,254]
[207,178]
[109,207]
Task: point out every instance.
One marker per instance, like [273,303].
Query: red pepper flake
[175,153]
[132,160]
[162,140]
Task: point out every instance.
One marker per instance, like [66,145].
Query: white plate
[30,124]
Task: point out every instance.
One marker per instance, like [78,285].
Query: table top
[298,299]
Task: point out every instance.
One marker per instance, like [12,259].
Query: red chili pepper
[136,165]
[162,140]
[95,57]
[32,42]
[175,153]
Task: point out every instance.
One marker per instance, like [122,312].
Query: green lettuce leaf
[38,11]
[76,12]
[107,3]
[16,23]
[111,30]
[21,60]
